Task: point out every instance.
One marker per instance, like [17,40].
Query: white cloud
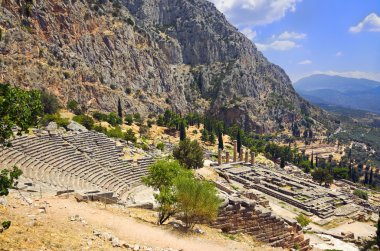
[291,35]
[255,12]
[339,54]
[249,33]
[304,62]
[278,45]
[370,23]
[349,74]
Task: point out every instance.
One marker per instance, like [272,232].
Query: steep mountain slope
[178,54]
[351,93]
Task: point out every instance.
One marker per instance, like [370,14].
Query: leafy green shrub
[6,225]
[361,194]
[115,133]
[73,106]
[160,146]
[130,136]
[100,129]
[129,119]
[189,154]
[113,86]
[197,201]
[61,122]
[49,102]
[161,176]
[114,120]
[303,220]
[85,120]
[138,119]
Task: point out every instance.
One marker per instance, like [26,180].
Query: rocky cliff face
[153,55]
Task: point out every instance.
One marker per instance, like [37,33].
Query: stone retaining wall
[244,215]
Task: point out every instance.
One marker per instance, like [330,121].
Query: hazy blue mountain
[350,93]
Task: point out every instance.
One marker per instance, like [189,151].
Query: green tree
[371,177]
[130,136]
[73,106]
[220,140]
[340,173]
[189,154]
[238,139]
[18,108]
[212,138]
[114,120]
[378,232]
[161,176]
[49,102]
[182,130]
[321,176]
[197,201]
[85,120]
[129,119]
[119,109]
[7,180]
[204,136]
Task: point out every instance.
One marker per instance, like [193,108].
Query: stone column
[246,157]
[241,156]
[235,150]
[227,157]
[219,157]
[252,158]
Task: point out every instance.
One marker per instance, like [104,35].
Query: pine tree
[119,109]
[220,140]
[182,130]
[238,138]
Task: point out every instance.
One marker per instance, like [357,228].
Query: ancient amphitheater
[87,162]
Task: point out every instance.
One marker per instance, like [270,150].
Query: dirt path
[129,229]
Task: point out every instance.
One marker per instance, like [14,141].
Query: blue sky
[337,37]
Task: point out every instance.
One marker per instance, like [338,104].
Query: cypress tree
[119,109]
[182,130]
[378,232]
[312,160]
[366,178]
[220,140]
[371,177]
[316,160]
[238,138]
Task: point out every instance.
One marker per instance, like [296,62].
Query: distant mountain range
[362,94]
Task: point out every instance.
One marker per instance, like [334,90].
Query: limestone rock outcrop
[153,55]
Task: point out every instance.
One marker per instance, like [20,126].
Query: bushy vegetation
[160,146]
[18,108]
[61,122]
[196,200]
[180,193]
[303,220]
[112,118]
[85,120]
[322,176]
[74,107]
[361,194]
[189,154]
[49,102]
